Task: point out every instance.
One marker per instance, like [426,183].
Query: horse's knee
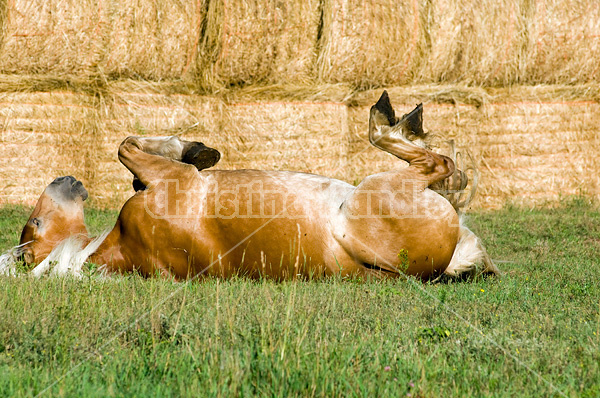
[129,146]
[130,143]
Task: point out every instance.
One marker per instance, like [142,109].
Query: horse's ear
[82,192]
[67,189]
[382,113]
[413,121]
[79,190]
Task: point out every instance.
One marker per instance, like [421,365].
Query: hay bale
[258,42]
[368,44]
[478,42]
[541,42]
[51,83]
[138,38]
[534,153]
[153,39]
[564,42]
[44,136]
[307,137]
[58,37]
[299,136]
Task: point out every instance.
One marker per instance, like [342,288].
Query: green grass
[533,332]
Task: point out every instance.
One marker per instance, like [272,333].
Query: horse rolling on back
[185,221]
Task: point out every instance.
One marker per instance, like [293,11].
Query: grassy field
[533,332]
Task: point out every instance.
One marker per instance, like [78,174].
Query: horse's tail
[470,257]
[459,189]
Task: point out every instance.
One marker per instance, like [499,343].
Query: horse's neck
[108,253]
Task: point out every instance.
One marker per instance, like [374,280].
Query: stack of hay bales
[217,44]
[286,85]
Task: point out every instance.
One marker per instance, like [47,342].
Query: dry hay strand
[254,93]
[3,12]
[370,44]
[288,92]
[53,37]
[258,42]
[547,93]
[462,94]
[153,39]
[431,93]
[44,136]
[139,86]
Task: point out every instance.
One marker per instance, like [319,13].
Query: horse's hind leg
[403,138]
[393,213]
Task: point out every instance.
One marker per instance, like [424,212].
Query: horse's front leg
[147,157]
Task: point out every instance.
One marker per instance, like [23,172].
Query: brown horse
[185,221]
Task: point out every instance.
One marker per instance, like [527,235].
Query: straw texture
[528,152]
[218,44]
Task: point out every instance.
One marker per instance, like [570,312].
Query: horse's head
[57,215]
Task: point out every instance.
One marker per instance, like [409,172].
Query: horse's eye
[36,222]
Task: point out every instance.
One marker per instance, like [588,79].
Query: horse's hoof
[200,156]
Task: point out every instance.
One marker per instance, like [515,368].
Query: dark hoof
[201,156]
[384,106]
[414,121]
